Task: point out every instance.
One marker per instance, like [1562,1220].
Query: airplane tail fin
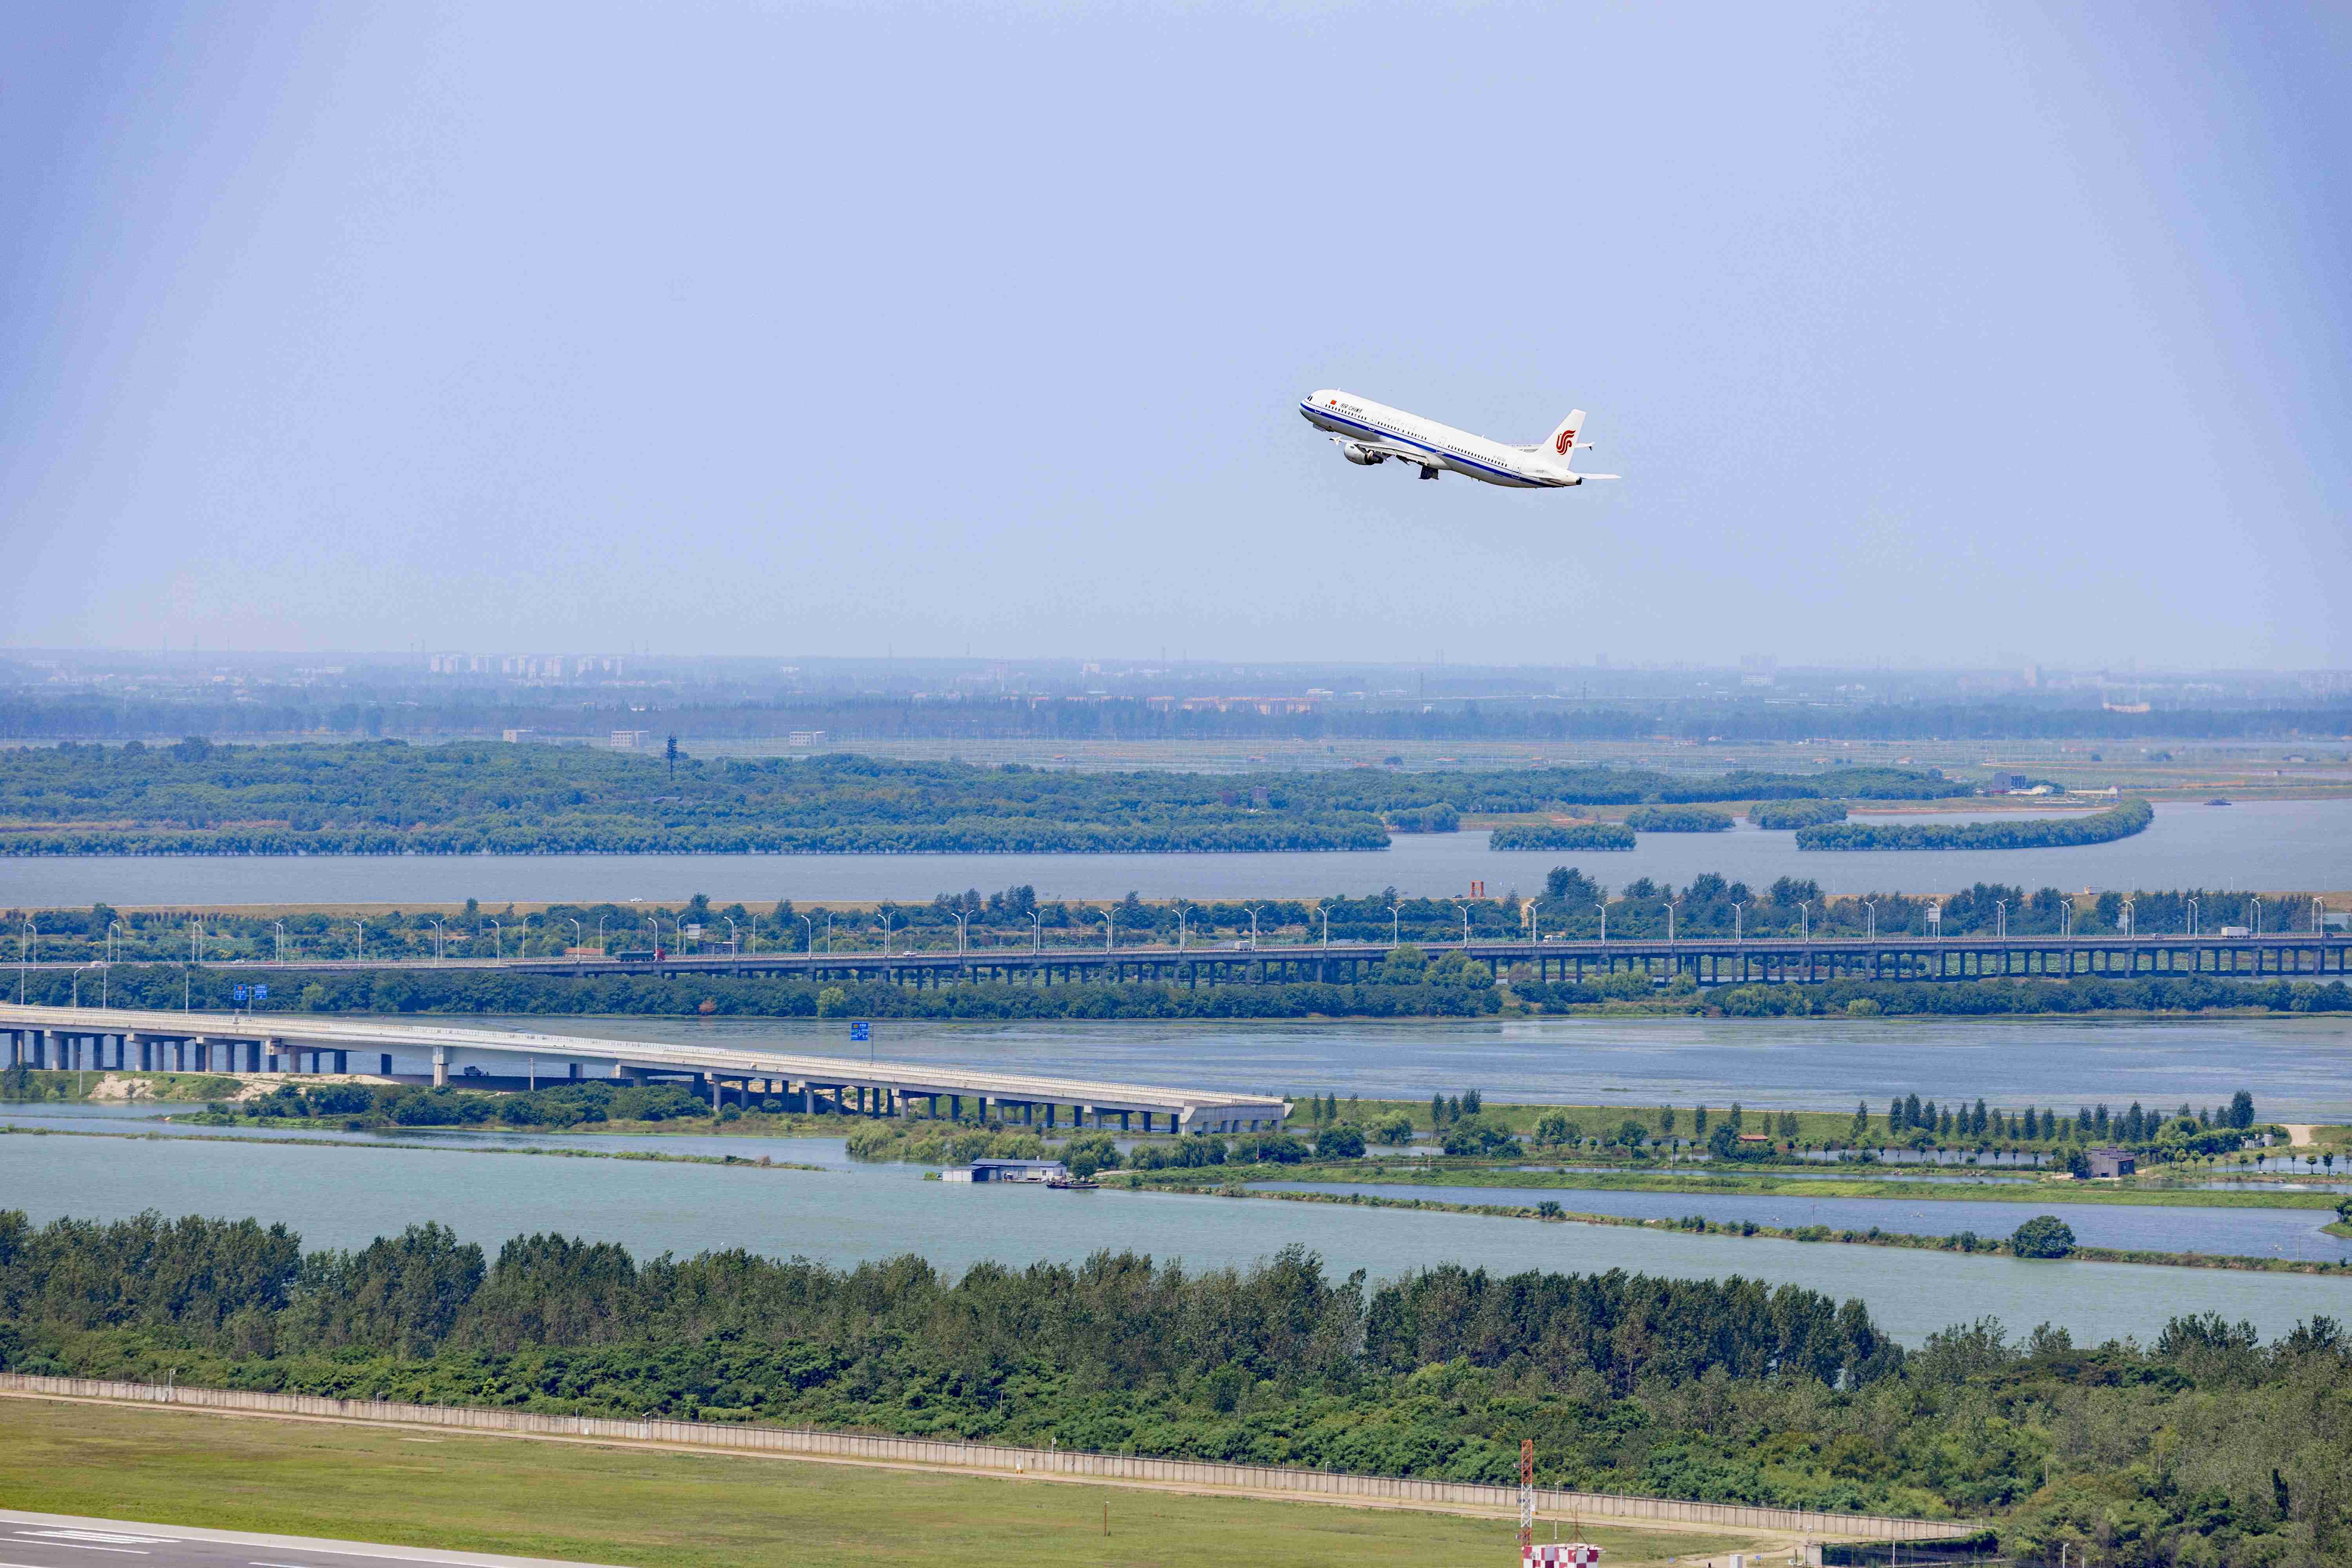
[1562,444]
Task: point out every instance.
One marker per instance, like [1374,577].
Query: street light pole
[1604,908]
[1036,932]
[1869,921]
[1738,930]
[811,933]
[1253,910]
[1325,911]
[1392,924]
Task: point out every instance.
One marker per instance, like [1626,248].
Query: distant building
[806,737]
[2112,1162]
[630,740]
[1009,1171]
[513,736]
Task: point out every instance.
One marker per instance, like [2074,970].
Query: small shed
[2112,1162]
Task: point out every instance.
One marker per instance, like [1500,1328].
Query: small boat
[1071,1185]
[2219,800]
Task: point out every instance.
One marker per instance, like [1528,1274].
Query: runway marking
[115,1536]
[258,1564]
[77,1546]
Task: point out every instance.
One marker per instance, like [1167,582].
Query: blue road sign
[261,993]
[240,992]
[861,1030]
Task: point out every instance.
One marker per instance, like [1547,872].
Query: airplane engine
[1363,457]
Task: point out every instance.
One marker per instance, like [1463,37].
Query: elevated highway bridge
[1711,961]
[70,1038]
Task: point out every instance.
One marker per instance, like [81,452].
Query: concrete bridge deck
[80,1037]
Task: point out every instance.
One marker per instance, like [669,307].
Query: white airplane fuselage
[1368,433]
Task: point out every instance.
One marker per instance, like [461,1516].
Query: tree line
[2205,1446]
[389,797]
[1567,904]
[2014,832]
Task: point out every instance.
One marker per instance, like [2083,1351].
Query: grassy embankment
[623,1504]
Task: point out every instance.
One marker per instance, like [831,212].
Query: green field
[623,1505]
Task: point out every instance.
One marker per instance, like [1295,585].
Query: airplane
[1368,433]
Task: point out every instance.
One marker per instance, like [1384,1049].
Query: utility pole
[1526,1500]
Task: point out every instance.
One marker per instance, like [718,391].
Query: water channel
[2299,1068]
[2284,844]
[344,1196]
[2233,1231]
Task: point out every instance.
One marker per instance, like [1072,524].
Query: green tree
[2043,1235]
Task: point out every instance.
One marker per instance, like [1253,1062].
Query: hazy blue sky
[1921,331]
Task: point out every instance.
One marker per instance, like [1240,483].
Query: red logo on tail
[1566,440]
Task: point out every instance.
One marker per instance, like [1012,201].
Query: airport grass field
[621,1505]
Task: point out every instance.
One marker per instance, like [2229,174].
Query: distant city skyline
[1918,332]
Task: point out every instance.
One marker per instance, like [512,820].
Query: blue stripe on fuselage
[1317,415]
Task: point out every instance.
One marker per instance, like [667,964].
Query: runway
[60,1540]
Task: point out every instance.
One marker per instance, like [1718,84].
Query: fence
[1002,1459]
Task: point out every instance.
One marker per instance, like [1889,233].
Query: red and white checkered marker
[1562,1555]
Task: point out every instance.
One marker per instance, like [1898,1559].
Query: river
[2299,1068]
[344,1196]
[2285,844]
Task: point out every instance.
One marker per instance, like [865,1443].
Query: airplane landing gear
[1429,473]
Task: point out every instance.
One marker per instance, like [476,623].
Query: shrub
[1395,1128]
[1574,836]
[1269,1148]
[2043,1235]
[1476,1136]
[1339,1141]
[1783,814]
[1677,819]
